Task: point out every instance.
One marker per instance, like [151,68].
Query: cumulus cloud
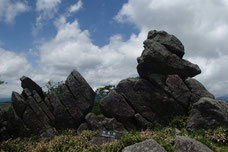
[77,6]
[10,9]
[72,49]
[201,25]
[12,67]
[46,10]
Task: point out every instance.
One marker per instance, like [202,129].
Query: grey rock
[31,85]
[197,89]
[208,113]
[71,104]
[112,124]
[149,145]
[18,104]
[115,106]
[49,133]
[185,144]
[63,118]
[3,126]
[151,102]
[82,92]
[169,41]
[142,123]
[177,89]
[156,54]
[82,127]
[93,122]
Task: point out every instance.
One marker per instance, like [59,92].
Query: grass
[5,105]
[70,141]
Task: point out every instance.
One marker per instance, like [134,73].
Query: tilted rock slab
[185,144]
[67,109]
[208,113]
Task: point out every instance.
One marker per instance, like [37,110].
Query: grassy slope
[68,140]
[5,105]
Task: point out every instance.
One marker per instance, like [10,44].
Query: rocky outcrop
[185,144]
[145,146]
[3,125]
[208,113]
[164,89]
[66,108]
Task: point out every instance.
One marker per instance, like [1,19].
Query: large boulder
[136,95]
[185,144]
[65,108]
[169,41]
[208,113]
[158,59]
[149,145]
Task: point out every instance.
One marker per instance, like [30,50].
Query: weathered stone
[177,89]
[197,89]
[115,106]
[156,59]
[142,123]
[69,101]
[82,92]
[93,122]
[169,41]
[112,124]
[149,145]
[31,85]
[50,132]
[185,144]
[18,104]
[149,101]
[208,113]
[3,124]
[62,117]
[82,127]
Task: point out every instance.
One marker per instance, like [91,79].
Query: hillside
[224,98]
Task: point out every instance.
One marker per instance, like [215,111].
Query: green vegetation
[54,87]
[96,108]
[179,122]
[70,141]
[5,105]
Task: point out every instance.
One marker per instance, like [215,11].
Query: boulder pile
[65,108]
[164,89]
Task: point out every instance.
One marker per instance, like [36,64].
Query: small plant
[54,87]
[179,122]
[96,108]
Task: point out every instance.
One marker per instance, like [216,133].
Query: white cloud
[47,5]
[77,6]
[10,9]
[12,67]
[201,25]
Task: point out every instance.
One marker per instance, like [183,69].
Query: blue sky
[47,39]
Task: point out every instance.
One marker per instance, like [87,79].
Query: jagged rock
[197,89]
[149,101]
[31,85]
[63,109]
[169,41]
[185,144]
[102,123]
[149,145]
[3,125]
[101,140]
[115,106]
[175,86]
[142,123]
[208,113]
[157,59]
[83,94]
[82,127]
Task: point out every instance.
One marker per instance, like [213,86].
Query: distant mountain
[5,99]
[224,98]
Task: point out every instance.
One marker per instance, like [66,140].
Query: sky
[46,39]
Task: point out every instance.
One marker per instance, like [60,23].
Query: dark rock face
[101,122]
[164,89]
[208,113]
[136,95]
[197,89]
[3,125]
[185,144]
[157,59]
[145,146]
[42,114]
[169,41]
